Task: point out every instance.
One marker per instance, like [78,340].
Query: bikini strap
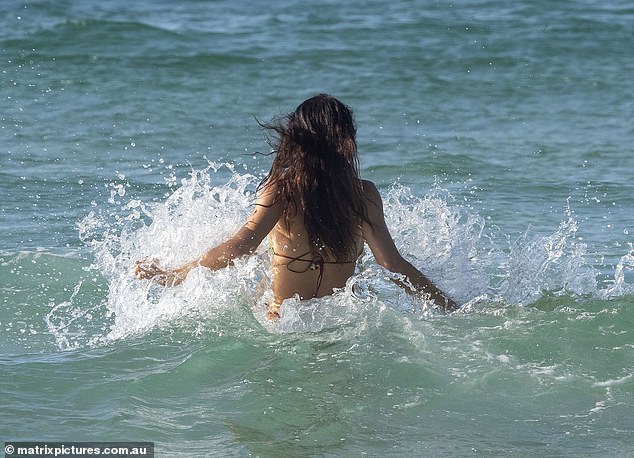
[316,263]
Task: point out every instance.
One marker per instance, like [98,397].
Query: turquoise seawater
[500,136]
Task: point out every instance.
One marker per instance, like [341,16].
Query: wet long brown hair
[316,172]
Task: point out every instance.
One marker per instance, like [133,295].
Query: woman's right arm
[378,238]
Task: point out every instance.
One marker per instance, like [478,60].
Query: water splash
[539,264]
[60,319]
[619,285]
[451,243]
[442,239]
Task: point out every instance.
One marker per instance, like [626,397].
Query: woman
[316,211]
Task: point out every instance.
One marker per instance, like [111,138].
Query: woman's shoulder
[370,191]
[368,186]
[267,192]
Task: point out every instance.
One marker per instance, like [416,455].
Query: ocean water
[500,136]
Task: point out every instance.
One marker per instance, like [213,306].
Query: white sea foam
[615,382]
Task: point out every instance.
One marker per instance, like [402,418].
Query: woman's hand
[146,269]
[150,270]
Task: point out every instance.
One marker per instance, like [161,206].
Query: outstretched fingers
[145,269]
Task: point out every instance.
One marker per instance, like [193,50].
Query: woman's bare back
[298,270]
